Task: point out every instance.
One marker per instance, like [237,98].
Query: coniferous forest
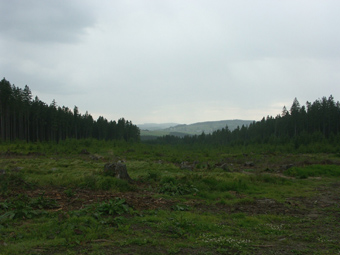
[317,122]
[24,118]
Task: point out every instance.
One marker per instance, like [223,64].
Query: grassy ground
[56,200]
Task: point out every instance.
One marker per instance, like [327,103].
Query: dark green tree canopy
[33,120]
[300,125]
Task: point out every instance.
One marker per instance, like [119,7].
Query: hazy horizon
[154,123]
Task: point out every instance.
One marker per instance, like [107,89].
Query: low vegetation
[56,199]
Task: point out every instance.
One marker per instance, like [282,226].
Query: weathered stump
[117,170]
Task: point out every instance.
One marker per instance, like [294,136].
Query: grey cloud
[44,21]
[173,60]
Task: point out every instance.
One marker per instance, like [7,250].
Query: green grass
[314,171]
[60,202]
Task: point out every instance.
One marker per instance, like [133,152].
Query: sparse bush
[12,180]
[43,202]
[177,189]
[115,206]
[69,193]
[23,208]
[238,185]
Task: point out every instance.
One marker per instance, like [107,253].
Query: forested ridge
[24,118]
[317,122]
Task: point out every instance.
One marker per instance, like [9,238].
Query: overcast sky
[182,61]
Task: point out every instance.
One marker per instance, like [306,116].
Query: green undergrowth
[273,205]
[314,171]
[94,228]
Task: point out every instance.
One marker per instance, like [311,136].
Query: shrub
[23,208]
[12,180]
[115,206]
[43,202]
[177,189]
[232,185]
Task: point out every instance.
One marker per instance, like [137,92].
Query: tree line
[24,118]
[315,122]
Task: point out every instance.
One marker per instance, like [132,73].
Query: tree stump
[117,170]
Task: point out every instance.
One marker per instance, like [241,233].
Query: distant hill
[208,126]
[156,126]
[191,129]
